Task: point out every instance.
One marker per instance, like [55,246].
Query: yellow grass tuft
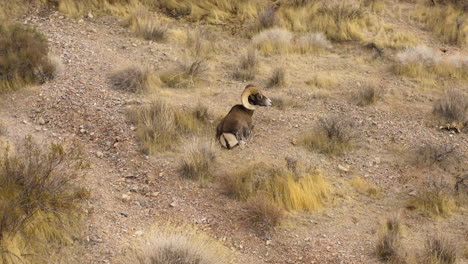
[366,187]
[145,25]
[282,186]
[389,247]
[183,244]
[133,79]
[262,211]
[440,250]
[198,161]
[273,41]
[322,80]
[185,75]
[435,202]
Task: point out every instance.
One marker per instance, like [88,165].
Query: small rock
[173,204]
[125,197]
[155,194]
[25,122]
[413,193]
[90,15]
[138,233]
[41,121]
[294,141]
[134,188]
[343,168]
[132,128]
[99,154]
[124,213]
[268,242]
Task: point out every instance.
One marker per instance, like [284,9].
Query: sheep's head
[252,97]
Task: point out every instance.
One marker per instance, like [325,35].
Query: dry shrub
[23,57]
[282,102]
[368,95]
[280,185]
[39,202]
[201,43]
[332,136]
[440,250]
[434,201]
[374,5]
[423,62]
[145,25]
[312,42]
[160,126]
[387,37]
[198,161]
[389,241]
[366,187]
[273,41]
[323,80]
[452,108]
[179,245]
[431,154]
[267,18]
[133,79]
[82,7]
[248,67]
[262,211]
[277,79]
[186,75]
[449,24]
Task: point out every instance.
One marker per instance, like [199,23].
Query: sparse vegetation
[431,154]
[312,43]
[277,79]
[273,41]
[282,186]
[366,187]
[198,162]
[423,62]
[435,201]
[24,57]
[248,67]
[184,245]
[143,24]
[39,202]
[133,79]
[160,126]
[262,211]
[201,43]
[440,250]
[368,95]
[389,241]
[186,75]
[282,102]
[323,80]
[331,136]
[452,109]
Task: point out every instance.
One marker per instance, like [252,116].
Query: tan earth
[131,192]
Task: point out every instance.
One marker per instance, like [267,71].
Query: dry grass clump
[366,187]
[3,129]
[277,79]
[431,154]
[160,127]
[198,161]
[423,62]
[273,41]
[440,250]
[143,24]
[282,102]
[280,185]
[39,202]
[452,109]
[201,43]
[312,42]
[389,247]
[448,23]
[332,135]
[179,245]
[368,95]
[262,211]
[248,67]
[267,18]
[434,201]
[374,5]
[387,37]
[186,75]
[24,57]
[322,80]
[133,79]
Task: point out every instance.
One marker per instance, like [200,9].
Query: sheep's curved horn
[249,89]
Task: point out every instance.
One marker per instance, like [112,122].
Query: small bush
[440,250]
[374,5]
[282,103]
[389,242]
[201,43]
[368,95]
[433,154]
[366,187]
[132,79]
[179,245]
[423,62]
[312,42]
[308,192]
[186,75]
[248,67]
[277,79]
[264,212]
[160,126]
[267,18]
[452,108]
[23,57]
[434,201]
[331,136]
[39,201]
[198,161]
[322,81]
[273,41]
[145,25]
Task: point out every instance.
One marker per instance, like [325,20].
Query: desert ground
[399,150]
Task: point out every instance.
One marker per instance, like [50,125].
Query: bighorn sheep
[236,127]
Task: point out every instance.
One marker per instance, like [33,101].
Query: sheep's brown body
[236,127]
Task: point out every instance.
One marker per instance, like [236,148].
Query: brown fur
[238,122]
